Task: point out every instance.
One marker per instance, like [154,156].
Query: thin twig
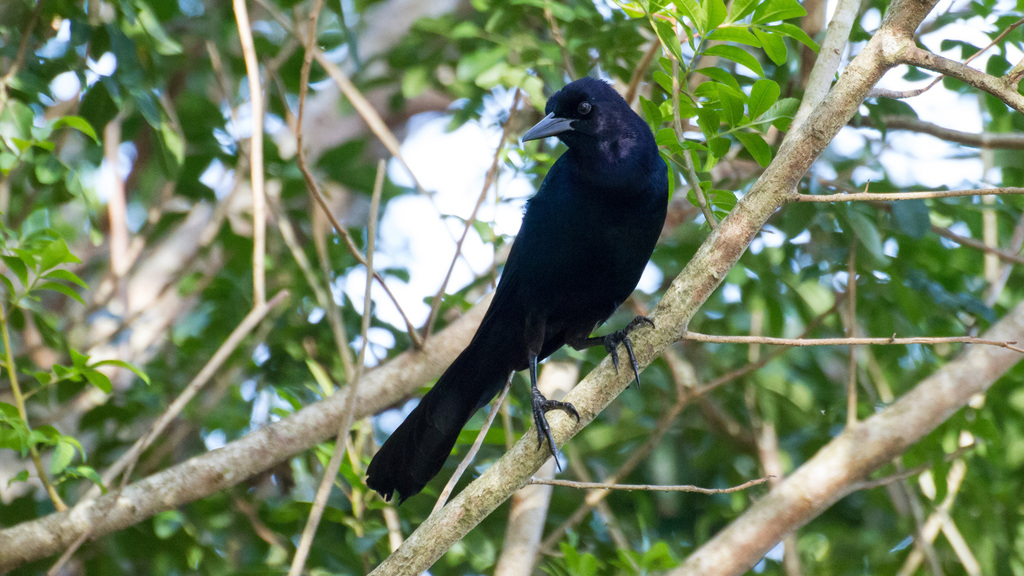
[127,461]
[348,89]
[492,175]
[367,112]
[19,401]
[853,194]
[851,331]
[341,441]
[557,35]
[689,171]
[371,233]
[258,526]
[649,487]
[641,71]
[685,381]
[903,94]
[320,292]
[764,360]
[934,522]
[914,56]
[892,340]
[972,243]
[259,199]
[984,140]
[443,498]
[892,196]
[314,190]
[910,472]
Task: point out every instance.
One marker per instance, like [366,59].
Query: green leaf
[912,217]
[721,76]
[63,289]
[695,13]
[125,365]
[867,233]
[736,54]
[738,34]
[45,435]
[763,95]
[632,9]
[8,284]
[756,145]
[78,123]
[173,146]
[796,33]
[50,170]
[62,457]
[78,360]
[98,379]
[55,254]
[719,146]
[18,267]
[67,276]
[667,33]
[19,477]
[732,105]
[716,11]
[775,10]
[708,120]
[723,199]
[18,119]
[740,9]
[89,473]
[165,524]
[663,80]
[321,377]
[781,113]
[666,137]
[7,162]
[150,25]
[8,412]
[774,46]
[651,112]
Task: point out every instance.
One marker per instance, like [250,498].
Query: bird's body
[585,240]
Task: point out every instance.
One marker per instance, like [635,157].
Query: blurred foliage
[723,85]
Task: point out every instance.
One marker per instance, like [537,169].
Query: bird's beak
[549,126]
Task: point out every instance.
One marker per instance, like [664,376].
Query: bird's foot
[542,405]
[612,341]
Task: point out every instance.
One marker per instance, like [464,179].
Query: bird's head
[590,117]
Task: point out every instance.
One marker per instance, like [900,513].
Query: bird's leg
[611,343]
[541,405]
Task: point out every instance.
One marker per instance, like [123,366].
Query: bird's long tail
[417,450]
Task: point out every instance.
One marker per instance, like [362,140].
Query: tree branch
[893,340]
[987,140]
[649,487]
[893,196]
[837,468]
[997,87]
[709,266]
[256,452]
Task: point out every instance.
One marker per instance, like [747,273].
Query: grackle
[585,239]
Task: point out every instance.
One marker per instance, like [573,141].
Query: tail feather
[416,451]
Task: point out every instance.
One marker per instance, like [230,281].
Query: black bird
[585,239]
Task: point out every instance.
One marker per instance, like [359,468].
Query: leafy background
[153,95]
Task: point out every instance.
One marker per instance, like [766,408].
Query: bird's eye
[583,108]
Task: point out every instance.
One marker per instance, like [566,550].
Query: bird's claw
[612,341]
[542,405]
